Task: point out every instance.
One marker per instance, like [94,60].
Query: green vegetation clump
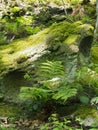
[12,53]
[58,30]
[94,53]
[8,110]
[32,29]
[53,87]
[86,111]
[53,36]
[69,33]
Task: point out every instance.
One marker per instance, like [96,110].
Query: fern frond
[34,93]
[52,69]
[64,93]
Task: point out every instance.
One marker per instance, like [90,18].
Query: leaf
[34,93]
[94,100]
[64,93]
[84,99]
[51,69]
[26,76]
[35,106]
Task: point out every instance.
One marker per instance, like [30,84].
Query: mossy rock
[19,56]
[88,115]
[23,52]
[72,39]
[19,53]
[65,33]
[94,53]
[85,111]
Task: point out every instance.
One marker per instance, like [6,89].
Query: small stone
[88,121]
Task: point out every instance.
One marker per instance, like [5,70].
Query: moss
[63,29]
[8,110]
[85,111]
[9,54]
[90,10]
[72,39]
[59,33]
[68,33]
[94,53]
[14,9]
[58,2]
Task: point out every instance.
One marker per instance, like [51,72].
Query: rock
[24,55]
[24,51]
[27,50]
[53,5]
[88,121]
[58,17]
[87,113]
[87,116]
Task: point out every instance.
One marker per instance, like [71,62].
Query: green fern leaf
[64,93]
[52,69]
[34,93]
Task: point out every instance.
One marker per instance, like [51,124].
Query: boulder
[24,55]
[88,115]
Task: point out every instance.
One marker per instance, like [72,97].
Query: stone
[24,55]
[88,121]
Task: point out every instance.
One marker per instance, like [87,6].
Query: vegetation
[48,65]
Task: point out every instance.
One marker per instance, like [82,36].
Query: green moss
[9,54]
[14,9]
[90,10]
[69,33]
[8,110]
[75,2]
[72,39]
[64,29]
[58,2]
[85,111]
[94,53]
[55,36]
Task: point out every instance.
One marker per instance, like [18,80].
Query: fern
[52,69]
[94,101]
[64,93]
[53,86]
[34,93]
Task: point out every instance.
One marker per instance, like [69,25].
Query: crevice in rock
[11,83]
[85,45]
